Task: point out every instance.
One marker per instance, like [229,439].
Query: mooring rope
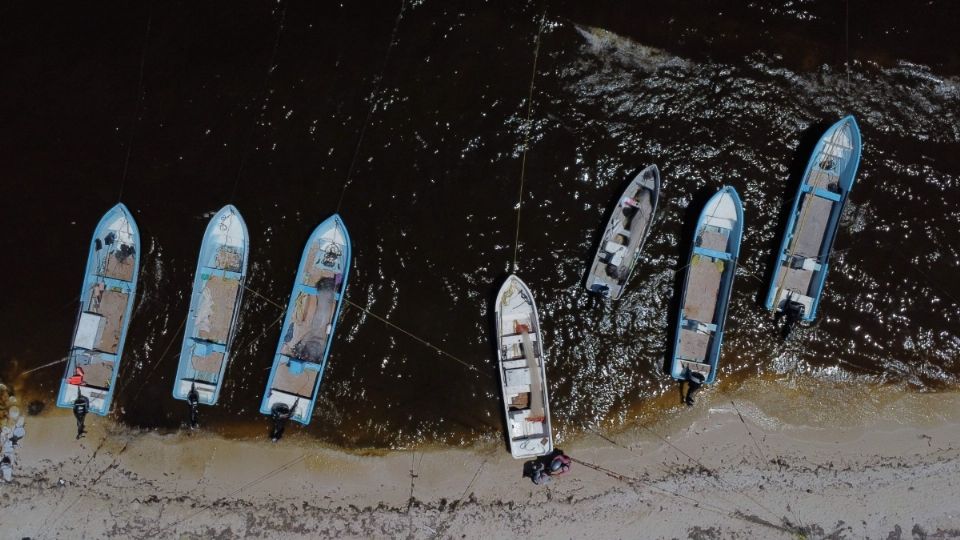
[378,88]
[136,112]
[526,136]
[263,92]
[415,337]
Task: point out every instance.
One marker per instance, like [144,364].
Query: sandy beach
[887,466]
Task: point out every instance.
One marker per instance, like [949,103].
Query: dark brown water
[263,106]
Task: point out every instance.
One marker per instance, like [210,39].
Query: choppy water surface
[263,107]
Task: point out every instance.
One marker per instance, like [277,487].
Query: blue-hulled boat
[106,302]
[310,323]
[804,254]
[214,307]
[707,287]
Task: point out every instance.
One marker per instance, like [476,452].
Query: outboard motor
[792,312]
[193,400]
[280,413]
[694,382]
[80,407]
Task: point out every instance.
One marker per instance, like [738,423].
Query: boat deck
[97,373]
[289,381]
[310,324]
[217,305]
[694,345]
[811,226]
[321,267]
[112,306]
[703,289]
[228,258]
[119,267]
[797,280]
[206,367]
[702,293]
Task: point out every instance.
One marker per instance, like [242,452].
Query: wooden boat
[523,374]
[106,301]
[310,322]
[804,254]
[707,287]
[214,307]
[623,239]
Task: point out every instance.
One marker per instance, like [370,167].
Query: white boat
[523,375]
[623,239]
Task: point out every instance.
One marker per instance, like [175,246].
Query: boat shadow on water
[690,218]
[798,166]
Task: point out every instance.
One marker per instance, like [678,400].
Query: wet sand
[728,467]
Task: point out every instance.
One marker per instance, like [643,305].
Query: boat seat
[697,367]
[514,339]
[514,364]
[706,328]
[517,377]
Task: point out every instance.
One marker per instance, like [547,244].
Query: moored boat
[523,374]
[106,302]
[707,288]
[309,324]
[627,230]
[214,307]
[803,258]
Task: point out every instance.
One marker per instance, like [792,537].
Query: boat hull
[523,375]
[707,287]
[803,258]
[624,236]
[310,322]
[218,286]
[106,303]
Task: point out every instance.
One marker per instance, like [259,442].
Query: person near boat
[543,469]
[80,407]
[559,465]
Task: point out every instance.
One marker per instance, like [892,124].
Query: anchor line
[378,88]
[526,136]
[263,93]
[139,103]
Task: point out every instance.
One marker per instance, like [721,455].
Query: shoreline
[728,466]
